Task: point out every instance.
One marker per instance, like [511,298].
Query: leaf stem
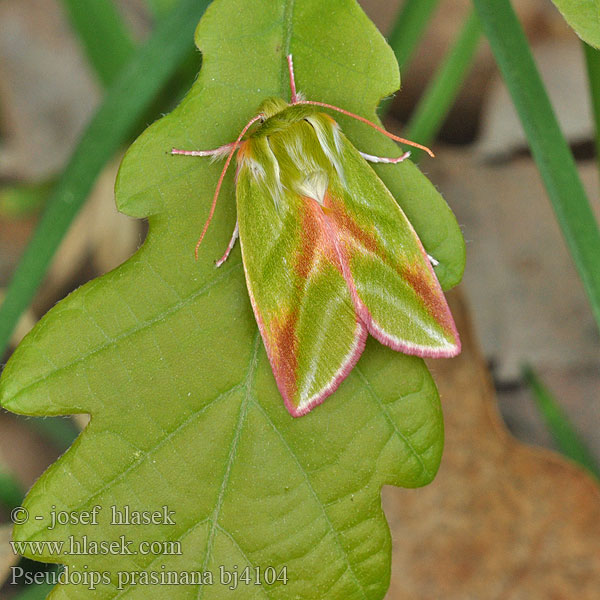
[443,89]
[548,146]
[126,100]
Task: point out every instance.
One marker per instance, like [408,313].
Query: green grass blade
[128,97]
[34,591]
[61,432]
[561,428]
[548,146]
[11,493]
[103,35]
[159,8]
[592,59]
[408,29]
[444,87]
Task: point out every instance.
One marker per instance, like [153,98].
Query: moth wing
[303,307]
[389,273]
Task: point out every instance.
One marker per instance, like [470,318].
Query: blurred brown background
[524,297]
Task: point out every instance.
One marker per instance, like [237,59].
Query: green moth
[328,254]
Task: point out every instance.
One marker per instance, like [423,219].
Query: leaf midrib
[231,457]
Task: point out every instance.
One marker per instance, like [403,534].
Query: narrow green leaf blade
[11,493]
[443,89]
[548,146]
[103,35]
[61,432]
[409,26]
[584,17]
[126,100]
[41,590]
[411,22]
[559,424]
[35,592]
[592,61]
[160,7]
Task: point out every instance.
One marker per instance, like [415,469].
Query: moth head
[272,106]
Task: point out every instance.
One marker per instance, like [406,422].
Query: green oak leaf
[584,17]
[165,355]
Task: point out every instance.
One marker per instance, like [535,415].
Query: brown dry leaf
[113,236]
[7,557]
[47,90]
[26,322]
[81,420]
[14,235]
[100,231]
[501,520]
[25,453]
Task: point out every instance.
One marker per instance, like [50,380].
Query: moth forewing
[397,292]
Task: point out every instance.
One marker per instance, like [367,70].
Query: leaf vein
[161,442]
[133,330]
[365,383]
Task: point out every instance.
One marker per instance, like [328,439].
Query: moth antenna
[234,147]
[292,79]
[373,125]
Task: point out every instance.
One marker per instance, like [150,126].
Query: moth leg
[234,237]
[219,152]
[382,159]
[433,261]
[293,93]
